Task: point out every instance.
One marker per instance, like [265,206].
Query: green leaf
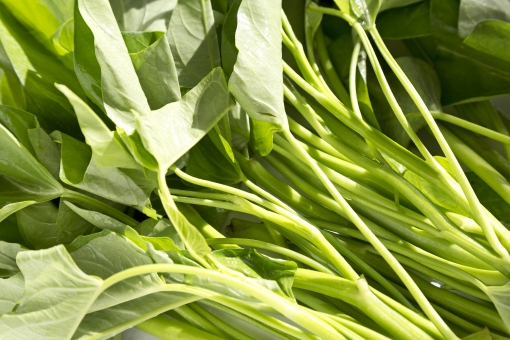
[491,37]
[22,177]
[44,19]
[118,318]
[473,12]
[86,66]
[57,295]
[37,70]
[171,131]
[261,136]
[18,122]
[122,93]
[488,75]
[9,231]
[489,198]
[107,253]
[45,225]
[434,193]
[257,80]
[154,65]
[228,39]
[193,40]
[160,228]
[500,295]
[212,159]
[107,147]
[405,22]
[78,169]
[252,264]
[8,253]
[11,292]
[149,15]
[365,10]
[45,150]
[388,4]
[9,209]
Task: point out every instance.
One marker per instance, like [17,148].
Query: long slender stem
[404,276]
[298,315]
[478,213]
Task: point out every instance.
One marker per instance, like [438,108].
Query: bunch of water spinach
[254,169]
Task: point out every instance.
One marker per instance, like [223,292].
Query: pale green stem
[385,253]
[282,305]
[478,213]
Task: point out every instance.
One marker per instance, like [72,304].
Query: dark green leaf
[405,22]
[491,37]
[212,159]
[18,122]
[228,39]
[489,198]
[37,70]
[22,177]
[45,150]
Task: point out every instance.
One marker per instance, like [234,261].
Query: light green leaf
[171,131]
[434,193]
[500,295]
[113,320]
[257,80]
[142,16]
[154,65]
[23,178]
[193,40]
[57,296]
[261,136]
[252,264]
[122,92]
[11,291]
[107,253]
[107,147]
